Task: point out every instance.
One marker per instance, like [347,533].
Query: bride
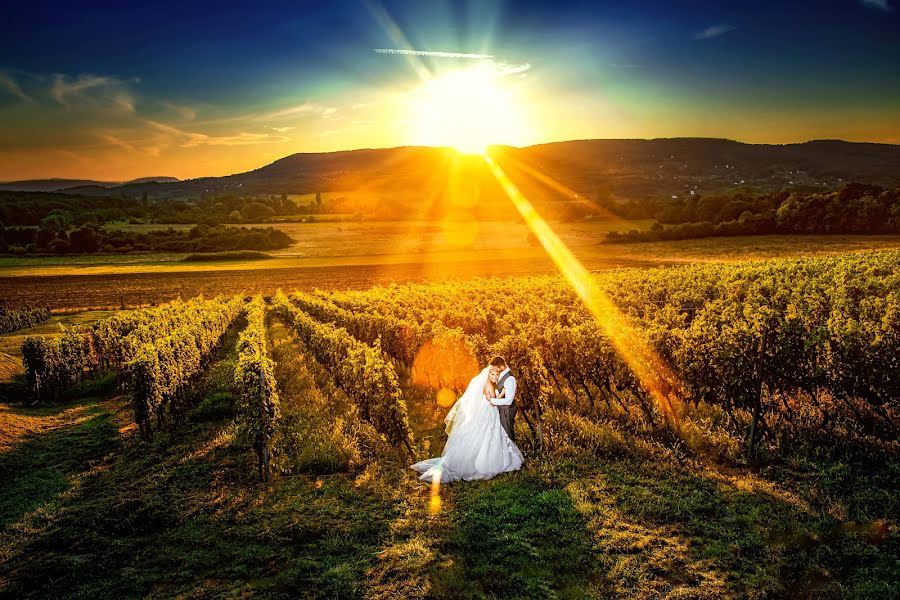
[477,446]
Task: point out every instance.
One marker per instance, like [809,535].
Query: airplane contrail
[432,53]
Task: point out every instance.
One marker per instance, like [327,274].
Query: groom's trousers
[508,420]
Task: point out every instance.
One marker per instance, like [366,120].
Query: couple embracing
[481,428]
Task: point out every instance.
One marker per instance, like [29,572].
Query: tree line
[52,239]
[854,209]
[66,211]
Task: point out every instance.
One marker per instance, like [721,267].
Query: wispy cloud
[186,113]
[189,139]
[504,69]
[713,31]
[123,102]
[64,87]
[291,113]
[280,129]
[306,108]
[87,160]
[240,139]
[877,4]
[92,89]
[9,85]
[115,141]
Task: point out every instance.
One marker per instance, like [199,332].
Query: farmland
[358,255]
[617,498]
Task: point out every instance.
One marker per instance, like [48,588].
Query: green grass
[319,431]
[116,518]
[516,537]
[88,259]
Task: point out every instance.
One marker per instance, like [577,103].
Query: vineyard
[658,433]
[22,317]
[801,349]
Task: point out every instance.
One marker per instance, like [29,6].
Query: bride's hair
[498,361]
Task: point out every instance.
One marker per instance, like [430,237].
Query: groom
[505,405]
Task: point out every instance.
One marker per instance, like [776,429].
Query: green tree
[84,240]
[58,246]
[257,211]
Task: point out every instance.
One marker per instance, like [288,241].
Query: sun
[469,110]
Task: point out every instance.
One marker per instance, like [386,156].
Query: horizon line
[378,148]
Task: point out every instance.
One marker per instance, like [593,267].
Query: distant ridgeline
[854,209]
[89,239]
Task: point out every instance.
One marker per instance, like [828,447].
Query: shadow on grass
[14,389]
[661,529]
[17,393]
[41,467]
[578,527]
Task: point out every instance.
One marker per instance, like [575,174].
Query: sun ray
[649,368]
[556,185]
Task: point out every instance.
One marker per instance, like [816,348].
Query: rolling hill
[56,185]
[633,169]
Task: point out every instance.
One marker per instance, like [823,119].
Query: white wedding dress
[477,446]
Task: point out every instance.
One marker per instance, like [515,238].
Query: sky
[115,90]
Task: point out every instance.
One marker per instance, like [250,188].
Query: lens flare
[460,231]
[566,191]
[446,397]
[444,363]
[434,506]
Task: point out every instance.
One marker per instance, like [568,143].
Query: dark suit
[508,411]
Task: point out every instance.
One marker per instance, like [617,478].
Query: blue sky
[112,89]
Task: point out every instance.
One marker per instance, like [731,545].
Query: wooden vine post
[264,434]
[754,423]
